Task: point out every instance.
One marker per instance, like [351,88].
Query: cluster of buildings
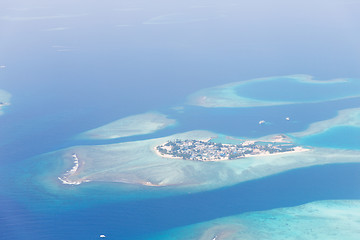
[198,150]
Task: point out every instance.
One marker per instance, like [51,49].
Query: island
[206,150]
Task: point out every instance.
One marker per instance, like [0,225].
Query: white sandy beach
[73,172]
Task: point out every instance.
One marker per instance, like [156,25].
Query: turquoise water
[71,67]
[38,204]
[43,205]
[292,90]
[343,137]
[334,219]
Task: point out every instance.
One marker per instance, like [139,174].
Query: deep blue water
[114,72]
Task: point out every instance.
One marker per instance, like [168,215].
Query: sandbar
[145,123]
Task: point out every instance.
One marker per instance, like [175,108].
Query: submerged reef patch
[347,117]
[340,132]
[332,220]
[130,126]
[271,91]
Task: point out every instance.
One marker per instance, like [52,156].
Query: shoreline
[297,149]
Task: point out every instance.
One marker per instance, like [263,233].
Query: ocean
[65,82]
[30,212]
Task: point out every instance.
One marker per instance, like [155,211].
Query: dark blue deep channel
[140,219]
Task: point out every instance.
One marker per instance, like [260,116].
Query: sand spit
[72,172]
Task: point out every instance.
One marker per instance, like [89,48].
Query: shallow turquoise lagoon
[73,66]
[296,90]
[344,137]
